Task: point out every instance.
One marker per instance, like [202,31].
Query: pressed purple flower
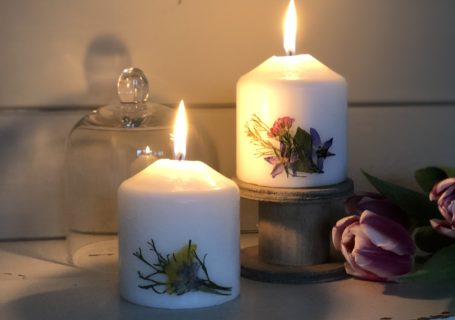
[378,204]
[278,165]
[375,247]
[320,151]
[444,193]
[283,162]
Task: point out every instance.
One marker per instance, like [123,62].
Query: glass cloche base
[104,148]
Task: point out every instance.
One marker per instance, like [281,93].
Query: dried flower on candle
[291,152]
[180,272]
[320,150]
[281,127]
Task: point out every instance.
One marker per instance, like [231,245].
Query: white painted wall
[390,142]
[70,52]
[63,53]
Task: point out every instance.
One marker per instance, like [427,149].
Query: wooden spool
[294,226]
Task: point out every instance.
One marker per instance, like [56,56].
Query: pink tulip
[375,247]
[444,193]
[376,203]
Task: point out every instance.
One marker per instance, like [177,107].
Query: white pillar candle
[179,236]
[291,123]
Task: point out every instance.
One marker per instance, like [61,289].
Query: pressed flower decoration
[178,273]
[294,152]
[380,236]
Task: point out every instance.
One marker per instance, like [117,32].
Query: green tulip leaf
[429,240]
[450,171]
[416,205]
[440,267]
[428,177]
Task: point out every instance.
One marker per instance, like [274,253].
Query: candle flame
[180,132]
[146,151]
[290,29]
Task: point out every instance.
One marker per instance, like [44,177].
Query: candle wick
[290,53]
[179,156]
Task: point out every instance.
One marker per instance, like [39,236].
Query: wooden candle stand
[294,233]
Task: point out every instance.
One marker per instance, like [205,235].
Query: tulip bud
[375,247]
[444,193]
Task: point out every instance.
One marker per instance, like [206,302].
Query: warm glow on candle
[290,29]
[180,132]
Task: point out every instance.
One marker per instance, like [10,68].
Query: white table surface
[36,283]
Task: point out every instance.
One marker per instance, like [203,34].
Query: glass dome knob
[132,86]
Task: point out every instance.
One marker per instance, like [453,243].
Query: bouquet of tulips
[386,232]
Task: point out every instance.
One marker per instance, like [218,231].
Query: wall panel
[390,142]
[70,52]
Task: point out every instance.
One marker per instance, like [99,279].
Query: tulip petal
[350,239]
[378,204]
[384,264]
[355,201]
[386,233]
[445,201]
[387,209]
[356,271]
[338,229]
[440,187]
[444,193]
[443,227]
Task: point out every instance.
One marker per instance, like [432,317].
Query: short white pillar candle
[179,236]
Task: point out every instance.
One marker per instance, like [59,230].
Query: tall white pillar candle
[291,123]
[179,236]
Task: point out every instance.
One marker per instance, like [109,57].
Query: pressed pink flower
[299,152]
[444,193]
[280,127]
[375,247]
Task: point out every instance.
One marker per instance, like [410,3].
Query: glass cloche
[104,148]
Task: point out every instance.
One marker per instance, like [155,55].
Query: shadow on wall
[106,56]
